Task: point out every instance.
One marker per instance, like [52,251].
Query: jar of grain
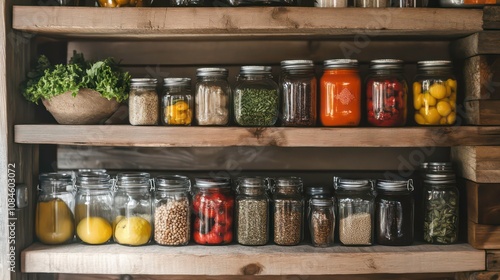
[252,211]
[172,210]
[54,221]
[143,102]
[288,211]
[132,211]
[177,101]
[373,3]
[94,205]
[355,202]
[212,96]
[314,192]
[321,215]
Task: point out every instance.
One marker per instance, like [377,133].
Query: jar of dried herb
[288,211]
[143,102]
[212,96]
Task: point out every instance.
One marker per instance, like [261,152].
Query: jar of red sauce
[340,86]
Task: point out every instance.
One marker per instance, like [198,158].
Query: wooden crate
[483,203]
[483,236]
[480,164]
[483,112]
[482,77]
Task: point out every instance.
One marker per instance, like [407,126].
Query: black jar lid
[434,64]
[212,72]
[212,182]
[321,202]
[143,82]
[172,182]
[176,82]
[297,64]
[386,64]
[341,64]
[395,186]
[255,70]
[319,191]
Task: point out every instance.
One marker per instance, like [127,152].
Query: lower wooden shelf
[243,260]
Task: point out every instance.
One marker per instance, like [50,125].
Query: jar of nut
[172,210]
[143,102]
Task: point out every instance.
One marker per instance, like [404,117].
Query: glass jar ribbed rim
[212,72]
[321,202]
[297,65]
[395,185]
[440,179]
[386,64]
[168,82]
[354,184]
[143,82]
[340,64]
[434,65]
[132,180]
[252,182]
[172,183]
[255,70]
[93,180]
[319,190]
[212,182]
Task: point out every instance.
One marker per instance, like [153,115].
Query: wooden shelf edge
[241,260]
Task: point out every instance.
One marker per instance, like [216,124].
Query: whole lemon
[432,116]
[94,230]
[443,108]
[133,231]
[438,91]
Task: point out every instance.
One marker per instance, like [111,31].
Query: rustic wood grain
[480,164]
[483,275]
[481,43]
[482,77]
[483,236]
[483,112]
[493,260]
[483,203]
[491,17]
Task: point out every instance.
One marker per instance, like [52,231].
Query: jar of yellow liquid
[55,222]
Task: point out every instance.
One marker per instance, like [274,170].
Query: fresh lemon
[117,220]
[452,84]
[438,91]
[451,118]
[419,118]
[133,231]
[417,88]
[443,108]
[418,100]
[429,100]
[432,116]
[94,230]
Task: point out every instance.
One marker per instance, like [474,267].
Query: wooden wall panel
[483,236]
[483,203]
[483,112]
[480,164]
[482,77]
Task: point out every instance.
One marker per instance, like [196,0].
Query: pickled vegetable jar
[321,215]
[435,93]
[212,96]
[288,211]
[55,221]
[213,205]
[143,102]
[386,93]
[94,208]
[340,86]
[132,219]
[124,3]
[177,101]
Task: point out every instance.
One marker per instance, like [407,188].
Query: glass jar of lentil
[172,210]
[321,215]
[288,211]
[212,96]
[395,208]
[298,92]
[252,211]
[256,97]
[177,101]
[143,102]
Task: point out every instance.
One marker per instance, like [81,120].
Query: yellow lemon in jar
[133,231]
[181,106]
[418,101]
[453,105]
[94,230]
[417,88]
[54,222]
[443,108]
[117,220]
[438,91]
[451,118]
[443,121]
[419,119]
[432,116]
[452,84]
[429,100]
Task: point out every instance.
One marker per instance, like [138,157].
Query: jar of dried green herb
[288,211]
[256,97]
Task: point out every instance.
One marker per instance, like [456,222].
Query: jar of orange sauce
[340,85]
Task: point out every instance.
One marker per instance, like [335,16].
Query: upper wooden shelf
[198,136]
[246,22]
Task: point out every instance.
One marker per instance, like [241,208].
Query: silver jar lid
[176,82]
[440,178]
[212,182]
[143,82]
[319,191]
[395,186]
[386,64]
[321,202]
[297,64]
[255,70]
[288,182]
[252,182]
[212,72]
[352,184]
[434,64]
[172,183]
[341,64]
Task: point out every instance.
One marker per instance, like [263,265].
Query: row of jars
[259,101]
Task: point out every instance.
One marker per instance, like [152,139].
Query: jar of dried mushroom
[177,102]
[355,200]
[212,96]
[440,209]
[288,210]
[172,220]
[252,211]
[143,102]
[321,215]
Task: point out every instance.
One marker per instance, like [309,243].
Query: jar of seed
[252,211]
[177,101]
[355,202]
[172,214]
[212,96]
[314,192]
[321,215]
[288,211]
[143,102]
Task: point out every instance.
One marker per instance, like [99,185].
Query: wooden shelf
[237,259]
[161,136]
[246,22]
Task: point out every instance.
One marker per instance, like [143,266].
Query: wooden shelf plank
[161,136]
[247,21]
[240,260]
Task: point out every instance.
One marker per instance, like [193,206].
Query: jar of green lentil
[256,97]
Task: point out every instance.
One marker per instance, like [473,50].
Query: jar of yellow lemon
[177,101]
[94,205]
[435,93]
[55,222]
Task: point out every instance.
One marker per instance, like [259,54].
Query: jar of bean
[177,101]
[321,215]
[212,96]
[288,211]
[143,102]
[172,212]
[252,211]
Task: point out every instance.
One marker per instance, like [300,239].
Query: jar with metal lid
[123,3]
[172,210]
[467,3]
[355,202]
[386,93]
[94,207]
[55,221]
[288,211]
[143,102]
[321,215]
[186,3]
[373,3]
[395,211]
[298,92]
[314,192]
[410,3]
[213,204]
[132,222]
[252,211]
[435,93]
[340,93]
[256,97]
[441,209]
[212,96]
[331,3]
[177,101]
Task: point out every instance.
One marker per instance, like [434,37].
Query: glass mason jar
[386,93]
[299,93]
[340,100]
[410,3]
[314,192]
[94,207]
[172,210]
[441,209]
[373,3]
[54,221]
[321,221]
[132,222]
[124,3]
[288,211]
[143,102]
[395,211]
[256,97]
[355,202]
[212,96]
[331,3]
[252,211]
[213,204]
[435,93]
[177,101]
[186,3]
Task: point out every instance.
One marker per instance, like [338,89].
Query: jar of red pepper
[386,93]
[213,204]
